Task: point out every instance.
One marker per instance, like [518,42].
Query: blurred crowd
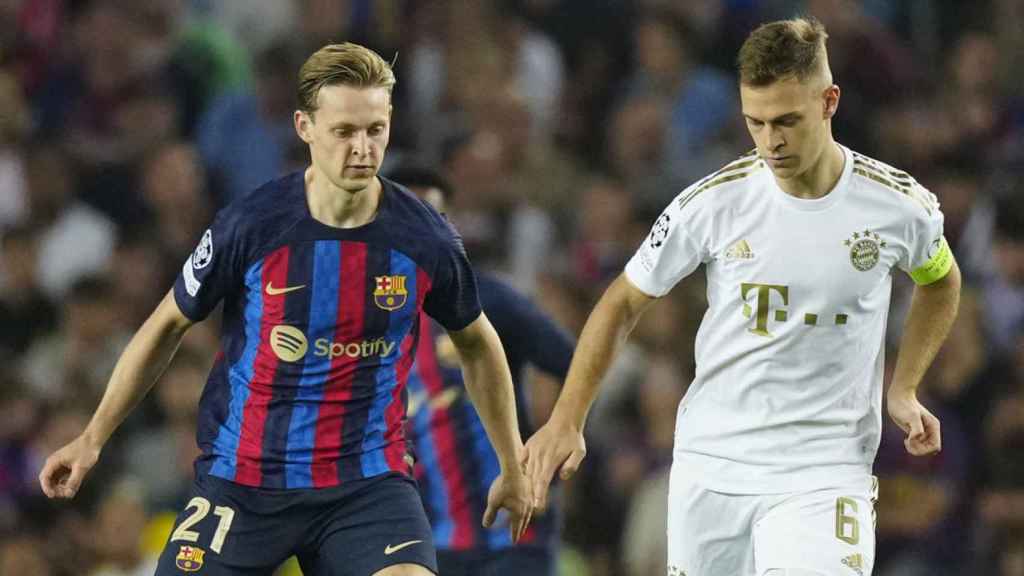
[565,126]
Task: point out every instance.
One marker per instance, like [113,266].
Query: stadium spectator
[25,312]
[63,223]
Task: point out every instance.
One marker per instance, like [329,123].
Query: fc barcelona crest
[390,292]
[189,558]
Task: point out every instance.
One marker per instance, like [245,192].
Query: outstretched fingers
[542,472]
[490,514]
[520,520]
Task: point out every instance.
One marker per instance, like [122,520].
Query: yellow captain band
[936,268]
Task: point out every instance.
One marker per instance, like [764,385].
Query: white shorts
[824,532]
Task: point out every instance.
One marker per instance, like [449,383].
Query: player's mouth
[778,160]
[360,168]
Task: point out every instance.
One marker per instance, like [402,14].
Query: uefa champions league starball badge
[865,247]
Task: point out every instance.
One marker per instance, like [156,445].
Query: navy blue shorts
[355,529]
[531,561]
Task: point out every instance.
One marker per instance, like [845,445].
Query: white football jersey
[788,388]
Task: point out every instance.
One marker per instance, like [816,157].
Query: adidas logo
[854,562]
[739,251]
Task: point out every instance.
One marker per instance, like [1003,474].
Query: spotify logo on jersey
[290,345]
[288,342]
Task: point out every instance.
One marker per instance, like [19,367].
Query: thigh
[381,525]
[709,533]
[823,532]
[224,530]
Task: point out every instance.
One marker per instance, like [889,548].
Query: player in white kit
[776,436]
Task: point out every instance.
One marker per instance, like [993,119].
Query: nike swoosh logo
[275,291]
[389,549]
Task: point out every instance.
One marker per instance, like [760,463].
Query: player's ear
[831,97]
[303,125]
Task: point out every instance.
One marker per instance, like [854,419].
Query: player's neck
[339,208]
[820,178]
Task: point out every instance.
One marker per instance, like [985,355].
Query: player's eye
[755,123]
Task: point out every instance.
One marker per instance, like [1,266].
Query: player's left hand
[921,426]
[512,491]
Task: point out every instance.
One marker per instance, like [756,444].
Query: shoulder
[893,186]
[713,188]
[266,211]
[416,216]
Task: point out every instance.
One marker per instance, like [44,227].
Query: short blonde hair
[347,64]
[781,49]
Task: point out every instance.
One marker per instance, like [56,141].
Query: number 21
[202,506]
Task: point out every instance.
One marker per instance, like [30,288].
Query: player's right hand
[510,490]
[65,469]
[556,446]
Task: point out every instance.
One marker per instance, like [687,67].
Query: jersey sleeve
[927,257]
[453,299]
[213,270]
[676,245]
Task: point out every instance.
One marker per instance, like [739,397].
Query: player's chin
[354,184]
[783,171]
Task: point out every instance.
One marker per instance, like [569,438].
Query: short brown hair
[781,49]
[348,64]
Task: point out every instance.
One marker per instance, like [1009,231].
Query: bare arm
[559,443]
[933,309]
[142,362]
[932,312]
[606,330]
[489,383]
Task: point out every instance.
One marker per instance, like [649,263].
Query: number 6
[202,506]
[843,520]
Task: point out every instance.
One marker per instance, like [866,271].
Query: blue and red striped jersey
[455,461]
[320,329]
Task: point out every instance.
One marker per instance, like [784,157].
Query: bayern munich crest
[865,249]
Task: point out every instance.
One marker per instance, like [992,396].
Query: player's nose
[359,145]
[775,139]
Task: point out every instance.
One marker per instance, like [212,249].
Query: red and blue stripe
[323,310]
[376,457]
[319,421]
[349,327]
[454,525]
[225,444]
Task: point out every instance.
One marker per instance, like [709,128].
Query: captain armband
[939,263]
